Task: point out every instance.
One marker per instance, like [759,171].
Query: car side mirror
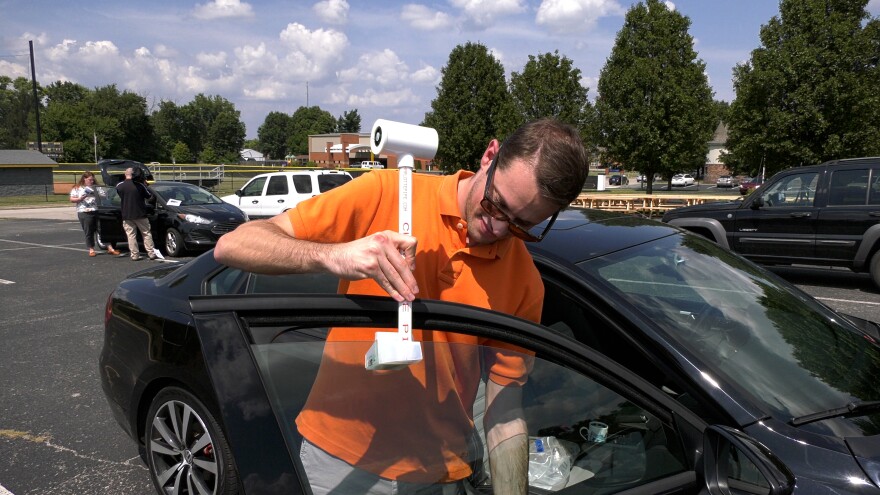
[725,447]
[757,203]
[238,192]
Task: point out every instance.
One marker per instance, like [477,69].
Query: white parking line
[42,245]
[4,491]
[5,282]
[847,301]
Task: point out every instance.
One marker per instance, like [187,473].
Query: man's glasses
[495,212]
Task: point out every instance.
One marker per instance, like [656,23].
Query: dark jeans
[89,222]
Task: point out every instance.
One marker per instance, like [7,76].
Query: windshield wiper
[851,409]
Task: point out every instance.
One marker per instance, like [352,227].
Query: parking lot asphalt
[47,213]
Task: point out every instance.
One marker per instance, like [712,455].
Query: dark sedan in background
[709,374]
[183,217]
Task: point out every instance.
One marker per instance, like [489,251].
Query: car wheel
[875,268]
[187,451]
[173,242]
[98,242]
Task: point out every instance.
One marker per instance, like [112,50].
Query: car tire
[186,449]
[875,268]
[173,242]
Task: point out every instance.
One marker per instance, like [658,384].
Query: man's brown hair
[555,151]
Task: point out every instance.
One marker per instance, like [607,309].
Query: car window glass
[743,475]
[302,183]
[254,187]
[327,182]
[793,190]
[277,186]
[107,196]
[323,392]
[874,193]
[742,326]
[227,281]
[848,187]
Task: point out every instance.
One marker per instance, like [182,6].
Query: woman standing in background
[83,194]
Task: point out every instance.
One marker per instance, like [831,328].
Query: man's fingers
[398,280]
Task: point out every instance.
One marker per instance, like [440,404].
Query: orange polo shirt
[413,424]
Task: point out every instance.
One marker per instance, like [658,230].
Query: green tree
[180,153]
[170,126]
[472,107]
[809,93]
[654,109]
[226,136]
[306,121]
[273,135]
[550,86]
[198,117]
[17,112]
[349,121]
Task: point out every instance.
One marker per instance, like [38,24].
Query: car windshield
[745,327]
[183,194]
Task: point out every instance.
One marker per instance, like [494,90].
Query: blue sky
[382,58]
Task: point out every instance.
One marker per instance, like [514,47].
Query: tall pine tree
[654,108]
[472,107]
[811,91]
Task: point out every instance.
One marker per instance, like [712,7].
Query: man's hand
[379,257]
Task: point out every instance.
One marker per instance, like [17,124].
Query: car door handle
[280,200]
[800,214]
[255,202]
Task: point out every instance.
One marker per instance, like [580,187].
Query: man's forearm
[506,438]
[260,246]
[509,463]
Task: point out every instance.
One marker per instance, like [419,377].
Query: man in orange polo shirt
[467,246]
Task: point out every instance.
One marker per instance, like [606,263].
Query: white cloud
[426,74]
[373,98]
[332,11]
[482,13]
[575,15]
[670,6]
[311,54]
[219,9]
[211,60]
[421,17]
[14,70]
[383,67]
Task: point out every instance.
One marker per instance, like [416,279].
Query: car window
[793,190]
[580,432]
[848,187]
[743,327]
[277,186]
[327,182]
[302,183]
[235,281]
[874,193]
[254,187]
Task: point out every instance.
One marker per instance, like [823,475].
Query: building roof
[24,157]
[720,136]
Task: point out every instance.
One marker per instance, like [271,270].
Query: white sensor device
[390,350]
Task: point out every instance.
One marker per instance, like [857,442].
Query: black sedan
[183,217]
[664,364]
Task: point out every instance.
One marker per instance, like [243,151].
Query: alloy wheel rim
[171,242]
[182,451]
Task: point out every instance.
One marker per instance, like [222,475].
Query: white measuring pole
[405,169]
[396,350]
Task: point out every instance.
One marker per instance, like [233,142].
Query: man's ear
[489,154]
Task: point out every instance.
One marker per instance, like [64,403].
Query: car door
[778,223]
[109,216]
[849,212]
[251,198]
[592,426]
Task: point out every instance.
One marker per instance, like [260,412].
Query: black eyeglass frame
[495,211]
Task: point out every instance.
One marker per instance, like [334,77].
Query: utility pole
[36,98]
[307,94]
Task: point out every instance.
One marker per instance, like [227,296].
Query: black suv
[823,215]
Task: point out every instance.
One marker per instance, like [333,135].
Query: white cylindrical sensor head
[397,138]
